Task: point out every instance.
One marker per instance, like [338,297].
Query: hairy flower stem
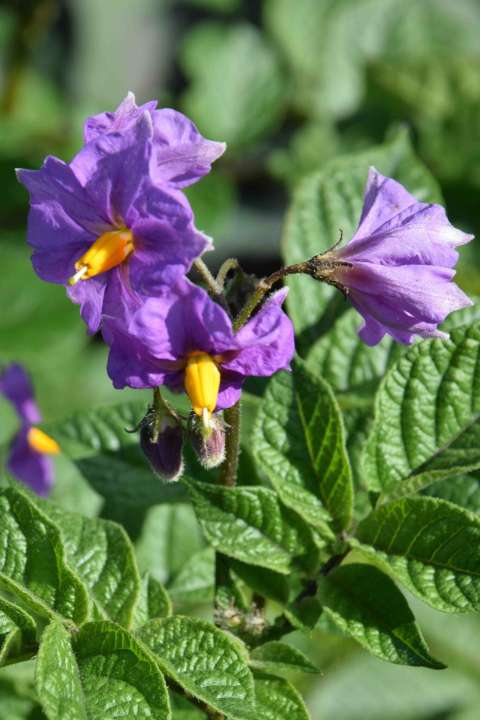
[214,288]
[229,265]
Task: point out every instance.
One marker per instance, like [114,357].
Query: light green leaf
[430,545]
[328,202]
[33,564]
[274,656]
[427,414]
[119,677]
[58,680]
[365,604]
[153,602]
[194,584]
[277,699]
[239,96]
[249,524]
[206,662]
[102,555]
[299,442]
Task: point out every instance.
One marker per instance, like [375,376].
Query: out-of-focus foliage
[291,86]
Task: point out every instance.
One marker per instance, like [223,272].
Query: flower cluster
[115,228]
[28,459]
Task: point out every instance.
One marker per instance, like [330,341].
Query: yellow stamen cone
[42,443]
[108,251]
[202,383]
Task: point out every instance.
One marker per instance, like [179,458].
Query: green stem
[228,471]
[264,286]
[227,266]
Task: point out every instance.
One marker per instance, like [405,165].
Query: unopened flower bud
[161,439]
[208,441]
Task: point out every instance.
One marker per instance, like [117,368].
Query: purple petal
[16,386]
[126,114]
[89,294]
[267,340]
[57,190]
[388,206]
[182,154]
[230,390]
[29,466]
[112,168]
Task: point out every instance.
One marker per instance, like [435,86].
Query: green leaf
[102,555]
[299,442]
[17,630]
[274,656]
[119,677]
[239,96]
[204,661]
[194,584]
[430,546]
[427,414]
[154,601]
[329,201]
[267,583]
[277,699]
[365,604]
[463,491]
[249,524]
[58,680]
[33,564]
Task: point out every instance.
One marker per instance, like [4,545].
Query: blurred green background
[288,84]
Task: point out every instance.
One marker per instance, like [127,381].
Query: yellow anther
[108,251]
[202,383]
[42,443]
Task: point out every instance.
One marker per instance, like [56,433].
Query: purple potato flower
[398,267]
[106,223]
[181,155]
[28,459]
[185,340]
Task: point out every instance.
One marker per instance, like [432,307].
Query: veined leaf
[17,630]
[365,604]
[277,699]
[299,441]
[106,675]
[249,524]
[431,546]
[102,555]
[33,566]
[427,416]
[206,662]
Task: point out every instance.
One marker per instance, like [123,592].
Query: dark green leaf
[249,524]
[430,545]
[365,604]
[427,414]
[277,699]
[33,564]
[299,442]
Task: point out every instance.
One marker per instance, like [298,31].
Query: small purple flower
[107,223]
[28,459]
[398,267]
[185,340]
[181,156]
